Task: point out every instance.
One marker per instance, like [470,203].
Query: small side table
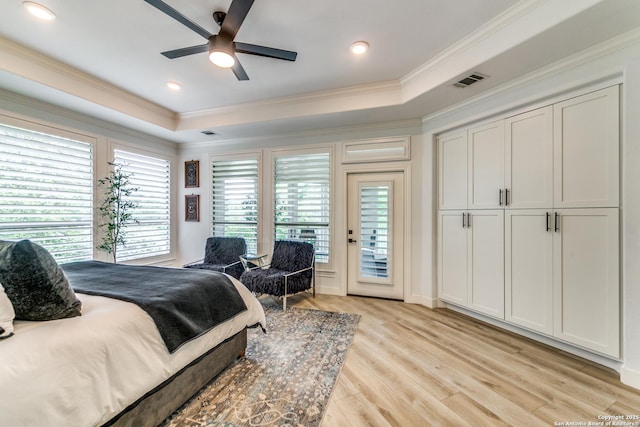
[250,261]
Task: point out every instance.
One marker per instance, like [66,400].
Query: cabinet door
[586,279]
[529,159]
[486,268]
[486,166]
[528,241]
[452,257]
[586,145]
[452,153]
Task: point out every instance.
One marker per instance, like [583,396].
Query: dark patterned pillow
[35,284]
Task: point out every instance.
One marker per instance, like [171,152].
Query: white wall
[331,280]
[631,224]
[617,61]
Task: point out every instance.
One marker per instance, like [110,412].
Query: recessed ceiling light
[358,48]
[174,85]
[39,11]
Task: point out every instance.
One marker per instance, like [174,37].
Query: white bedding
[82,371]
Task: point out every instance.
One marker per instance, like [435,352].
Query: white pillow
[6,315]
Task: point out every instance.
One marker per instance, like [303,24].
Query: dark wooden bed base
[156,405]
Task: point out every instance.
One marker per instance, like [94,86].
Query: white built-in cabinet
[528,223]
[452,151]
[472,258]
[586,150]
[529,269]
[529,159]
[485,185]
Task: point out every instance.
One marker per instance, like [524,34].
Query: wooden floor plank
[411,365]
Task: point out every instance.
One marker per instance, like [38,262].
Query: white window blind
[302,186]
[235,200]
[152,177]
[374,229]
[46,192]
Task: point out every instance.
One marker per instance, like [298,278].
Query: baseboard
[422,300]
[598,358]
[325,290]
[630,377]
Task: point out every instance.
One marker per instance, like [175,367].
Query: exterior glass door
[375,221]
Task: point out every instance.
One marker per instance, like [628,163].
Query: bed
[111,365]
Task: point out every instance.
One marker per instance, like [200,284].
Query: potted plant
[116,209]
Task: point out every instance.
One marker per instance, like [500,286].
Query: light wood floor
[413,366]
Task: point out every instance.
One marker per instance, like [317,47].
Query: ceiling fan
[221,47]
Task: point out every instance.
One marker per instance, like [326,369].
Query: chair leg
[284,297]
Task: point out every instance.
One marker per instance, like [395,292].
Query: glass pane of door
[374,229]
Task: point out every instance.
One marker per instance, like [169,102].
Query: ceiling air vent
[469,80]
[208,132]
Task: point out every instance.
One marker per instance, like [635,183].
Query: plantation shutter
[302,186]
[46,192]
[235,200]
[151,236]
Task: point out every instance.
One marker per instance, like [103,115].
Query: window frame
[173,201]
[252,155]
[57,132]
[302,151]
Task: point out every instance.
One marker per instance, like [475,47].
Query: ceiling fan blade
[179,53]
[235,16]
[237,69]
[269,52]
[163,7]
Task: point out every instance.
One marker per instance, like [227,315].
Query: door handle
[463,220]
[506,197]
[352,240]
[556,225]
[500,197]
[548,216]
[468,220]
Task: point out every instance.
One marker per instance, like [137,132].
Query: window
[46,192]
[235,200]
[302,187]
[151,176]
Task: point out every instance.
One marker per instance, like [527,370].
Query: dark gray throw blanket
[183,303]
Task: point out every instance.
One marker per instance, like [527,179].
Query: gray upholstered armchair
[291,271]
[223,254]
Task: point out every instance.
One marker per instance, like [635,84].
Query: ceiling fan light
[221,52]
[358,48]
[39,11]
[222,59]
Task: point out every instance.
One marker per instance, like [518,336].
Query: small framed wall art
[192,174]
[192,207]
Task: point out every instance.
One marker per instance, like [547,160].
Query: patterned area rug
[286,378]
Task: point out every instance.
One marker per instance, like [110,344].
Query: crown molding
[24,62]
[521,22]
[517,24]
[352,98]
[629,40]
[412,126]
